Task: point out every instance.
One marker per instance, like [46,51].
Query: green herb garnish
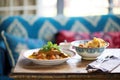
[49,46]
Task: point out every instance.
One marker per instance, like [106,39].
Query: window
[17,7]
[91,7]
[116,6]
[24,7]
[85,7]
[50,8]
[47,8]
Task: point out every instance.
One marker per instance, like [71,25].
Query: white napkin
[104,66]
[107,65]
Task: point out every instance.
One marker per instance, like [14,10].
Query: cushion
[2,61]
[16,44]
[70,36]
[112,37]
[115,41]
[63,35]
[4,77]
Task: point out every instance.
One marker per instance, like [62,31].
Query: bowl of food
[49,54]
[90,49]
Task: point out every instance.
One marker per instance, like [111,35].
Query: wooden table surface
[73,69]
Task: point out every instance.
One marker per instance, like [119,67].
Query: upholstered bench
[28,32]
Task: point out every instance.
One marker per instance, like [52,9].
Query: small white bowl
[65,45]
[88,53]
[27,53]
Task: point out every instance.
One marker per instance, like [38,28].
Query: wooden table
[73,69]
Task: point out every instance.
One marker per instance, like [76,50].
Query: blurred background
[51,8]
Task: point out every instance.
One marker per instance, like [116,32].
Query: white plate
[27,53]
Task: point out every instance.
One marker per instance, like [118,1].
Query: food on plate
[95,43]
[49,51]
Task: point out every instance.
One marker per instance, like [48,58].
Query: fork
[105,59]
[100,61]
